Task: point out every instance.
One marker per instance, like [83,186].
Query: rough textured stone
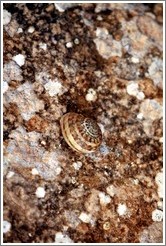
[105,61]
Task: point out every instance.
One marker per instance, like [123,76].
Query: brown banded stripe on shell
[82,134]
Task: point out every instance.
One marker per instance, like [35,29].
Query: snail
[82,134]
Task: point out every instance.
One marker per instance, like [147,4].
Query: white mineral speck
[31,29]
[99,18]
[157,215]
[34,171]
[53,88]
[140,95]
[40,192]
[133,90]
[101,32]
[86,218]
[6,226]
[6,17]
[58,170]
[20,30]
[19,59]
[5,86]
[101,127]
[104,199]
[111,190]
[62,238]
[69,45]
[135,59]
[43,142]
[10,174]
[160,205]
[161,140]
[136,181]
[73,180]
[58,7]
[91,96]
[76,41]
[140,116]
[77,165]
[61,7]
[122,209]
[43,46]
[159,182]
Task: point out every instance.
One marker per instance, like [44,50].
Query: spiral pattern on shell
[82,134]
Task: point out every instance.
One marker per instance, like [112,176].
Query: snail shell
[82,134]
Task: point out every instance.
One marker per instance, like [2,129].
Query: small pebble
[102,128]
[91,96]
[58,7]
[161,140]
[54,41]
[31,29]
[62,238]
[157,215]
[6,226]
[43,46]
[160,205]
[99,18]
[6,17]
[135,59]
[122,209]
[133,90]
[10,174]
[73,180]
[20,30]
[19,59]
[61,7]
[104,199]
[140,95]
[43,143]
[140,116]
[76,41]
[86,218]
[58,170]
[77,165]
[40,192]
[130,141]
[136,181]
[101,32]
[69,45]
[111,190]
[34,171]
